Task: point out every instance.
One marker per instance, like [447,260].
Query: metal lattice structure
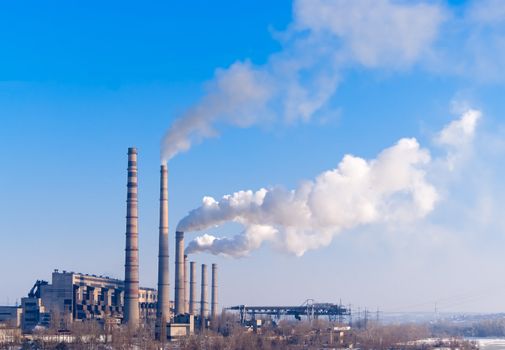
[308,309]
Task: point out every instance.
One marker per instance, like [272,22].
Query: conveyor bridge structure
[309,309]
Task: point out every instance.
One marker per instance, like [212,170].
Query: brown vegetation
[230,335]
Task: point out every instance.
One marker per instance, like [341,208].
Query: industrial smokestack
[192,288]
[204,300]
[186,287]
[213,304]
[163,311]
[179,273]
[131,280]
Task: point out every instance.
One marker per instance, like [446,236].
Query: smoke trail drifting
[393,187]
[295,83]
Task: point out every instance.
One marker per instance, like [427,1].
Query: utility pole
[350,315]
[340,312]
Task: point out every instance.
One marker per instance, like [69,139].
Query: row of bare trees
[226,333]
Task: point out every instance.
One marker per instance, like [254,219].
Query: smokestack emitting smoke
[186,287]
[131,280]
[393,187]
[213,304]
[204,301]
[179,272]
[295,83]
[192,288]
[163,311]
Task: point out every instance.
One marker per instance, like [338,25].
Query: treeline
[228,334]
[321,335]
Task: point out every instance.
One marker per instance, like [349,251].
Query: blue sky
[80,82]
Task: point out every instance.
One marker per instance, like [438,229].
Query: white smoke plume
[457,136]
[394,187]
[295,83]
[460,131]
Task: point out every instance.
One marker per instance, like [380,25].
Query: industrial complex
[75,297]
[71,296]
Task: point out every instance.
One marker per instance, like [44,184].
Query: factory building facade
[10,316]
[75,296]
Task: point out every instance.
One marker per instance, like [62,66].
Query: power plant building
[11,316]
[75,296]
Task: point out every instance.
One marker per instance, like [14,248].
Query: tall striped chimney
[163,310]
[204,300]
[192,288]
[186,287]
[213,303]
[179,273]
[131,280]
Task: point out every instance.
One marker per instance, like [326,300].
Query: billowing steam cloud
[296,82]
[393,187]
[325,37]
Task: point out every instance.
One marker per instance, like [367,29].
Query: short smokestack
[163,310]
[186,287]
[192,288]
[204,301]
[131,280]
[179,273]
[213,304]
